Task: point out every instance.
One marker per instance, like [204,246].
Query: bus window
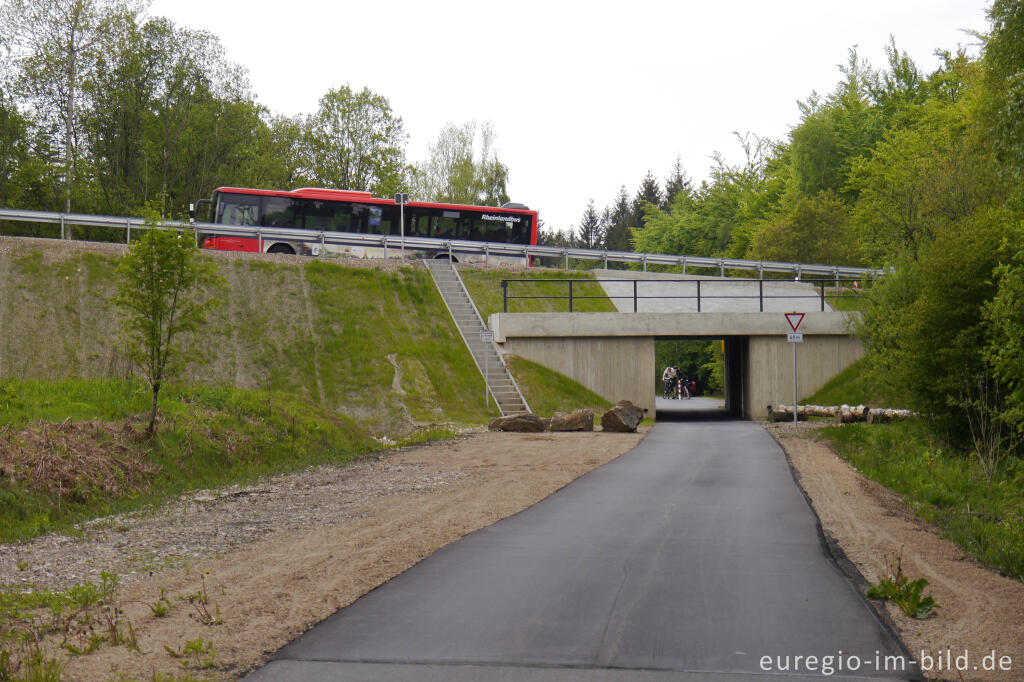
[238,209]
[366,218]
[490,230]
[281,212]
[523,231]
[444,227]
[463,228]
[389,220]
[328,215]
[420,225]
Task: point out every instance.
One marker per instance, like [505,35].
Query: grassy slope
[849,387]
[328,333]
[949,489]
[297,367]
[485,288]
[547,391]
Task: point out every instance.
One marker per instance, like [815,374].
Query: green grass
[208,437]
[986,520]
[848,302]
[944,487]
[484,286]
[850,387]
[362,316]
[329,333]
[547,391]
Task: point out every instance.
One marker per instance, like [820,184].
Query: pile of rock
[624,417]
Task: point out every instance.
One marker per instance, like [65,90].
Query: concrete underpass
[613,353]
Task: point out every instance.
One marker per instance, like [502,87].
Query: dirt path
[360,526]
[981,614]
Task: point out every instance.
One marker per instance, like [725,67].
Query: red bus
[336,210]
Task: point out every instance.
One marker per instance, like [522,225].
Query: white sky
[584,96]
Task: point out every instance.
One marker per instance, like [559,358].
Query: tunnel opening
[713,369]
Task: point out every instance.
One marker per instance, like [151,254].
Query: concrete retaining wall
[617,368]
[770,368]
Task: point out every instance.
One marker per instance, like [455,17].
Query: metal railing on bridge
[453,247]
[822,290]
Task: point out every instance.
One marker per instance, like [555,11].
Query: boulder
[577,420]
[520,423]
[623,418]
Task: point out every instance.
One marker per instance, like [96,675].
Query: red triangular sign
[794,319]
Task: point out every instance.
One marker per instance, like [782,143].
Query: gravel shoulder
[278,557]
[980,612]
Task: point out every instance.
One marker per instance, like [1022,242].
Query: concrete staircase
[503,387]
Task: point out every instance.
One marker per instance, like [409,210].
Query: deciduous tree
[1004,88]
[815,231]
[925,333]
[460,172]
[52,43]
[160,279]
[356,142]
[1004,315]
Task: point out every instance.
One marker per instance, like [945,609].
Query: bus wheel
[281,248]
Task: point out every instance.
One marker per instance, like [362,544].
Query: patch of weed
[900,590]
[195,654]
[949,489]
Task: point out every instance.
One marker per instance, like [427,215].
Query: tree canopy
[460,171]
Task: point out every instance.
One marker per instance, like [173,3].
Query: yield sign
[794,319]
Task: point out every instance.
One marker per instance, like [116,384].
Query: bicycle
[682,389]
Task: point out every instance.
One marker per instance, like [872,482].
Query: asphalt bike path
[694,556]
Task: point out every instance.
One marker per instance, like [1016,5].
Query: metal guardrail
[760,296]
[450,246]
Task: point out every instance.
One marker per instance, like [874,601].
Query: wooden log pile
[840,414]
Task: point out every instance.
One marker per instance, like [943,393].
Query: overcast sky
[584,97]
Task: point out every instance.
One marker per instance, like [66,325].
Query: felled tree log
[844,414]
[782,413]
[841,414]
[881,414]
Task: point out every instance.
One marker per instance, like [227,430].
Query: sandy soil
[981,612]
[270,591]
